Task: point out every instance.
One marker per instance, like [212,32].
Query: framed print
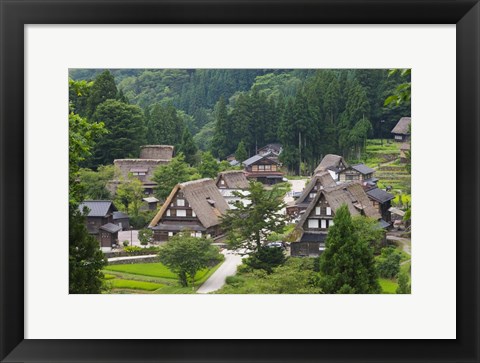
[43,319]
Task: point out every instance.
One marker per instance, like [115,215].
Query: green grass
[134,285]
[108,276]
[388,286]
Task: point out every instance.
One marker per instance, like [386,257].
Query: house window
[329,211]
[330,223]
[181,202]
[274,168]
[198,234]
[170,234]
[261,167]
[168,212]
[192,234]
[317,211]
[222,182]
[313,223]
[181,212]
[323,223]
[312,195]
[255,168]
[194,214]
[268,167]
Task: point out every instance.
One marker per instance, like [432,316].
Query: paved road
[130,236]
[228,268]
[129,257]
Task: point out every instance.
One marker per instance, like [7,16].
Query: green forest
[236,111]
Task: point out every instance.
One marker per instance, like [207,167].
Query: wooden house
[359,172]
[229,182]
[333,164]
[271,151]
[194,206]
[312,229]
[152,203]
[122,220]
[381,200]
[318,182]
[99,221]
[263,169]
[401,131]
[151,156]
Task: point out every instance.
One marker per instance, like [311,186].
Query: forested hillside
[310,112]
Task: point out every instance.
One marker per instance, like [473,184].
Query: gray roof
[120,215]
[402,126]
[110,227]
[380,195]
[363,169]
[178,227]
[251,160]
[383,224]
[313,237]
[97,208]
[151,200]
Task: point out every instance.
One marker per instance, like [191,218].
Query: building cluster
[197,206]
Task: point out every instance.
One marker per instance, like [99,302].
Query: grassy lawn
[388,286]
[145,269]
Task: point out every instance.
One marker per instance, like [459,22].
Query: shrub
[266,258]
[234,280]
[125,243]
[404,286]
[145,236]
[132,250]
[138,222]
[388,263]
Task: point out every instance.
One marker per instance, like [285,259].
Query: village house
[312,229]
[319,181]
[271,151]
[381,200]
[401,131]
[263,169]
[333,164]
[359,172]
[151,156]
[232,181]
[195,206]
[122,220]
[99,222]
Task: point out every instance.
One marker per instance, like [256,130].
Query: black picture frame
[15,14]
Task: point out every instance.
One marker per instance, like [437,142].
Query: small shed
[152,202]
[108,236]
[122,220]
[401,131]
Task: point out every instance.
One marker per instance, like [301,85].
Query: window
[192,234]
[261,167]
[193,213]
[222,182]
[268,167]
[168,212]
[198,234]
[317,211]
[330,223]
[329,211]
[274,168]
[181,212]
[181,202]
[170,234]
[323,223]
[255,168]
[312,195]
[313,223]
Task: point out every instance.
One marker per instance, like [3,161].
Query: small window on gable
[168,212]
[222,182]
[313,223]
[329,211]
[323,223]
[313,195]
[317,211]
[193,213]
[170,234]
[181,202]
[181,213]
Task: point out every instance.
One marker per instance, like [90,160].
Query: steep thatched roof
[323,178]
[330,161]
[402,126]
[203,197]
[234,179]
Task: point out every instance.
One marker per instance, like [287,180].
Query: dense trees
[347,265]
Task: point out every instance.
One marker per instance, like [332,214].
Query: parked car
[278,244]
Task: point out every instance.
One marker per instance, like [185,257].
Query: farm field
[153,278]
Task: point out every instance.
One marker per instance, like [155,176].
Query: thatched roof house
[156,152]
[319,181]
[232,179]
[332,162]
[401,131]
[311,231]
[194,206]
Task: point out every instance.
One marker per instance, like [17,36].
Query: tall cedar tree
[103,89]
[209,167]
[186,255]
[169,175]
[241,152]
[249,225]
[188,147]
[221,138]
[347,266]
[126,132]
[164,126]
[85,258]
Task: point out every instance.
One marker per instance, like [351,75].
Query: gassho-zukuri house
[312,229]
[194,206]
[229,182]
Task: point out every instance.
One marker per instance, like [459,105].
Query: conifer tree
[241,152]
[188,147]
[103,89]
[221,142]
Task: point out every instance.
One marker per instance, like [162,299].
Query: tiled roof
[97,208]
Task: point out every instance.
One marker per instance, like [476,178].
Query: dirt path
[406,243]
[385,164]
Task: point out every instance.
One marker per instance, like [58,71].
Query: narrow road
[406,243]
[228,268]
[112,259]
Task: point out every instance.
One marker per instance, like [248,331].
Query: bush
[138,222]
[145,236]
[388,263]
[234,280]
[132,250]
[125,243]
[266,258]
